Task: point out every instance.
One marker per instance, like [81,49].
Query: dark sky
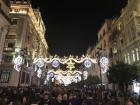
[72,25]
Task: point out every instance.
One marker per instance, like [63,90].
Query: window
[14,21]
[137,54]
[138,33]
[128,57]
[104,43]
[133,55]
[138,20]
[7,58]
[10,36]
[121,41]
[11,45]
[4,76]
[119,26]
[125,58]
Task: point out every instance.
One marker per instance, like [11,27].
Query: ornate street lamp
[103,63]
[19,61]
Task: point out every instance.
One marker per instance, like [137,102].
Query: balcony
[8,49]
[12,30]
[10,36]
[7,58]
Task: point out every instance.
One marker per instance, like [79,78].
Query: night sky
[72,25]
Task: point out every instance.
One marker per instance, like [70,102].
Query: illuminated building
[26,37]
[125,35]
[4,24]
[121,40]
[101,49]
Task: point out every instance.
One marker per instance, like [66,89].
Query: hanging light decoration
[104,63]
[55,63]
[87,63]
[18,62]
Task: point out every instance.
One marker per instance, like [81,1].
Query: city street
[77,52]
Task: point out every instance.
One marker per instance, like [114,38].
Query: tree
[92,80]
[123,74]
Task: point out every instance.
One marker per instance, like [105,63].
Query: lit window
[4,76]
[125,58]
[137,54]
[133,55]
[128,55]
[7,58]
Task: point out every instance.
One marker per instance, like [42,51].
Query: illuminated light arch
[67,77]
[71,74]
[64,61]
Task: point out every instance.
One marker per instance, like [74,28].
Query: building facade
[4,25]
[119,38]
[125,34]
[101,49]
[125,37]
[25,38]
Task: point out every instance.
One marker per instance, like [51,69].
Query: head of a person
[129,103]
[14,91]
[59,97]
[65,96]
[24,99]
[70,96]
[46,97]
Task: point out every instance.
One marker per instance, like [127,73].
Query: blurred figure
[24,101]
[129,102]
[5,101]
[65,100]
[46,100]
[74,100]
[58,100]
[89,100]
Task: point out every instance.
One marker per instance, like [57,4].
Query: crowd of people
[58,95]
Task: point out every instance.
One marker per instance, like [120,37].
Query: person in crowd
[70,95]
[58,99]
[65,100]
[88,100]
[5,101]
[129,103]
[46,100]
[74,100]
[24,101]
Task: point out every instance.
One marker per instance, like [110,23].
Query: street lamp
[19,61]
[103,63]
[99,55]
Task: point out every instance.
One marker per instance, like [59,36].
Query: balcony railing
[7,49]
[10,36]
